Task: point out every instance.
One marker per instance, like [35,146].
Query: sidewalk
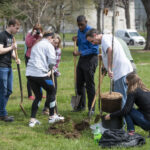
[66,43]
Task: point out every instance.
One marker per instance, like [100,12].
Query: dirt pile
[68,128]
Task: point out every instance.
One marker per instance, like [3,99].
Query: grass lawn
[18,136]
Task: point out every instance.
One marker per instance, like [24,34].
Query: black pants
[46,83]
[85,78]
[28,83]
[47,102]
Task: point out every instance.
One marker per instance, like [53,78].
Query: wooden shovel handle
[75,75]
[97,91]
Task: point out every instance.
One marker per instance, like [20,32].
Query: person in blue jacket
[87,64]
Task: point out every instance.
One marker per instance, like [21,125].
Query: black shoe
[7,118]
[78,109]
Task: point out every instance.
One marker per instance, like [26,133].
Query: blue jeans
[121,87]
[137,118]
[6,82]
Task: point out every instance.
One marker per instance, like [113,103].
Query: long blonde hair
[57,36]
[135,82]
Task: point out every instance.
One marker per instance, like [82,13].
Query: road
[66,43]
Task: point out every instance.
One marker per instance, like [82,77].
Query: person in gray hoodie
[41,61]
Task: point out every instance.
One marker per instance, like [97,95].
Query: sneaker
[7,118]
[55,118]
[34,122]
[31,98]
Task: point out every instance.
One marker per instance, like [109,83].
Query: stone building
[87,8]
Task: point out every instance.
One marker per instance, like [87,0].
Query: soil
[82,126]
[112,96]
[68,128]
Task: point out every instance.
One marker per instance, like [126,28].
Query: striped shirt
[58,58]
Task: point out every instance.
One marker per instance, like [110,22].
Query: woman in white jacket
[41,61]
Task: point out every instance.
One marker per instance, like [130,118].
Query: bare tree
[146,4]
[127,12]
[100,5]
[46,12]
[108,4]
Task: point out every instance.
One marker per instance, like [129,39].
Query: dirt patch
[82,126]
[68,128]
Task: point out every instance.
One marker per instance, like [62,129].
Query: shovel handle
[100,65]
[54,87]
[75,76]
[97,91]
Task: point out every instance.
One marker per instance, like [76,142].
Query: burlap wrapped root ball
[111,102]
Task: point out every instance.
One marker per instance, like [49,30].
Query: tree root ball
[111,102]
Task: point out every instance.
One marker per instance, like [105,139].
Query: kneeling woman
[42,60]
[137,94]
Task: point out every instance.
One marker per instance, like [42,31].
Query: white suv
[130,36]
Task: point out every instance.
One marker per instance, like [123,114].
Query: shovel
[98,89]
[75,99]
[20,82]
[54,87]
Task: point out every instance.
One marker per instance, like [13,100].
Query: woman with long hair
[138,94]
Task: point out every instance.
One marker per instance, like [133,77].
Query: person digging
[87,64]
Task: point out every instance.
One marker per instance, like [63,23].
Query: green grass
[67,36]
[19,36]
[18,136]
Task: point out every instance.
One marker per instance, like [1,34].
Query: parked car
[130,36]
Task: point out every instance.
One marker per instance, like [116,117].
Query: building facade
[87,8]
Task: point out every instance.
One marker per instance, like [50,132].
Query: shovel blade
[75,101]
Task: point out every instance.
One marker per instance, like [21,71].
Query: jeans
[136,117]
[121,87]
[6,83]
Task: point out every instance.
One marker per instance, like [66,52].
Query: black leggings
[46,83]
[28,83]
[46,102]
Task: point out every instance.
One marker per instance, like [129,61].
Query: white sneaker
[55,118]
[34,122]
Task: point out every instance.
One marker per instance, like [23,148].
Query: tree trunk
[24,30]
[127,15]
[146,4]
[147,46]
[98,9]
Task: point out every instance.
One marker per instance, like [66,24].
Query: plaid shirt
[58,58]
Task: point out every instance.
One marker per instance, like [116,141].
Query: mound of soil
[68,128]
[82,126]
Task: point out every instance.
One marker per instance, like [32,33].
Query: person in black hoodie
[137,94]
